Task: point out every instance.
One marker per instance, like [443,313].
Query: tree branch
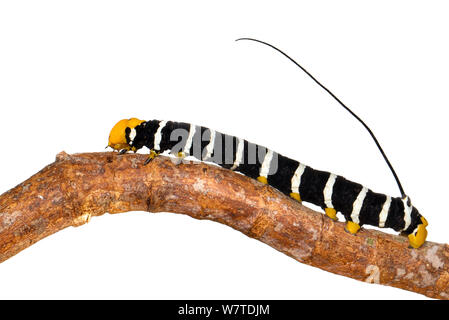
[75,187]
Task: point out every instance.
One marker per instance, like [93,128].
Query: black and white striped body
[357,203]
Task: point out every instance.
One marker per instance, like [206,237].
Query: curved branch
[75,187]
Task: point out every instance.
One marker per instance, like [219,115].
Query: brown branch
[75,187]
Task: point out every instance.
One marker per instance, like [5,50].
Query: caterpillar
[333,193]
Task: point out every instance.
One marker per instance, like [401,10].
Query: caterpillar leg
[418,237]
[331,213]
[294,195]
[153,154]
[262,179]
[352,227]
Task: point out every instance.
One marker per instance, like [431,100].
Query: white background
[69,70]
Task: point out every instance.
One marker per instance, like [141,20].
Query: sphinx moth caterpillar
[333,193]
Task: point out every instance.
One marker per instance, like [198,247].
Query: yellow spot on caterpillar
[419,237]
[331,213]
[262,179]
[352,227]
[296,196]
[424,221]
[153,154]
[181,155]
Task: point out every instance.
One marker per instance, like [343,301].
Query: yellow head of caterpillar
[117,137]
[418,237]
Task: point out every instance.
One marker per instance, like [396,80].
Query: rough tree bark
[75,187]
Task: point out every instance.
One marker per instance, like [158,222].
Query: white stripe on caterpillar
[327,192]
[158,135]
[210,146]
[407,213]
[266,164]
[357,205]
[132,135]
[296,179]
[239,154]
[189,139]
[383,215]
